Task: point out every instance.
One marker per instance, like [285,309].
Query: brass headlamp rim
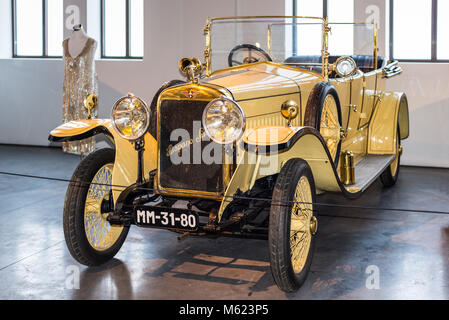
[239,108]
[342,58]
[147,112]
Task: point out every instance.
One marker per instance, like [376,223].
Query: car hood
[262,79]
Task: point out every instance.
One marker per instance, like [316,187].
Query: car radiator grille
[175,114]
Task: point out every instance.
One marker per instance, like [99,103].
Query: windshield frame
[324,38]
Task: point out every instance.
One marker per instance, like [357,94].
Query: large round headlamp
[130,117]
[224,120]
[345,66]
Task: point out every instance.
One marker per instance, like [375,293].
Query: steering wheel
[247,53]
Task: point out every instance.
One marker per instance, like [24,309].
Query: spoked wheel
[330,125]
[292,225]
[89,236]
[324,114]
[391,174]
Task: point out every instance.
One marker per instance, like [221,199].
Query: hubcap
[302,225]
[100,234]
[330,127]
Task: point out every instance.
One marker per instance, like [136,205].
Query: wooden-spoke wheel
[330,125]
[324,114]
[303,225]
[293,225]
[90,238]
[100,234]
[391,174]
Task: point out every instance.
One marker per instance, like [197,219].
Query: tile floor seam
[27,205]
[31,255]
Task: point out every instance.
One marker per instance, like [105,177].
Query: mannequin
[77,41]
[80,80]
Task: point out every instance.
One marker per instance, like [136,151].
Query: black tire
[387,177]
[314,109]
[279,227]
[73,218]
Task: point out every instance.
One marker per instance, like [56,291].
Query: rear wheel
[90,238]
[391,174]
[292,226]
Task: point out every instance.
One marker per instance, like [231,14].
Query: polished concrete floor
[360,254]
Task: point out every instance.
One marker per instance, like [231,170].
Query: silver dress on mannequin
[80,80]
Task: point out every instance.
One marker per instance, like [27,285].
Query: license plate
[166,218]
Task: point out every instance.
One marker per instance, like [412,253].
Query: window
[418,30]
[442,27]
[122,29]
[37,28]
[338,11]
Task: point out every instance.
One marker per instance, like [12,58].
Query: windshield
[284,40]
[238,41]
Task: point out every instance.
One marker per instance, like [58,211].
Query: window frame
[434,31]
[44,54]
[127,55]
[295,7]
[434,35]
[295,13]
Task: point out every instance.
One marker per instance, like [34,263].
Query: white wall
[31,90]
[427,89]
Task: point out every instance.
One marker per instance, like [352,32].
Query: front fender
[80,129]
[125,169]
[267,149]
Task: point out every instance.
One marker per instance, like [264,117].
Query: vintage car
[278,113]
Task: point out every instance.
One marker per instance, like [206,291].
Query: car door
[351,94]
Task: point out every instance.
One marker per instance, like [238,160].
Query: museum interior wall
[31,89]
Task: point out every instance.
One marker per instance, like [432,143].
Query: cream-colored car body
[369,119]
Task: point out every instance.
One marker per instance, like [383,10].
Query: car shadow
[225,261]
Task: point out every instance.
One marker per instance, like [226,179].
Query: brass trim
[290,110]
[348,58]
[264,17]
[191,68]
[347,171]
[324,52]
[207,50]
[275,64]
[208,94]
[325,38]
[208,26]
[90,103]
[376,49]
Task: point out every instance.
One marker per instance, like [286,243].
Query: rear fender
[391,112]
[125,169]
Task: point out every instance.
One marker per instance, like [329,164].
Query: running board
[369,169]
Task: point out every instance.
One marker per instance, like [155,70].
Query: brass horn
[191,68]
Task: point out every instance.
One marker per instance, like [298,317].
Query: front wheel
[293,226]
[90,238]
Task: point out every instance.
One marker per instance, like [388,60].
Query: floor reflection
[109,281]
[410,249]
